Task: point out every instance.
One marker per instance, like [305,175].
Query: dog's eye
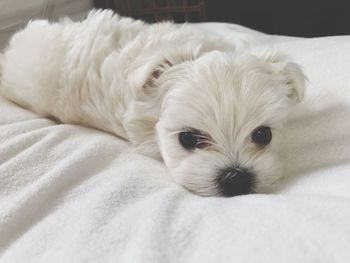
[189,140]
[262,136]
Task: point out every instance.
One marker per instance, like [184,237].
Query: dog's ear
[289,73]
[146,74]
[155,74]
[293,77]
[143,112]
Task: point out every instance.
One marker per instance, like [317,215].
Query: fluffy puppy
[210,113]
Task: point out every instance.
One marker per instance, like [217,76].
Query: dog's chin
[199,174]
[206,185]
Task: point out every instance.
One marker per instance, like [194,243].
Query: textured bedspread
[72,194]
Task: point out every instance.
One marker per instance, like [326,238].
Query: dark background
[306,18]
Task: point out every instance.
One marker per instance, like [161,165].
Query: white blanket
[72,194]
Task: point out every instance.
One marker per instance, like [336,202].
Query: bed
[74,194]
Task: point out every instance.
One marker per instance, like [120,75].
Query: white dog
[209,113]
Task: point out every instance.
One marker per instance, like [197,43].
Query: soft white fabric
[72,194]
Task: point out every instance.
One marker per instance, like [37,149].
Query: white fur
[146,83]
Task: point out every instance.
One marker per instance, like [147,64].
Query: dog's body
[156,86]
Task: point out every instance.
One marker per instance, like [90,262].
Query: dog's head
[219,120]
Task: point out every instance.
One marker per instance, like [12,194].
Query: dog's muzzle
[235,181]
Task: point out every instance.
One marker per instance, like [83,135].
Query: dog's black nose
[235,181]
